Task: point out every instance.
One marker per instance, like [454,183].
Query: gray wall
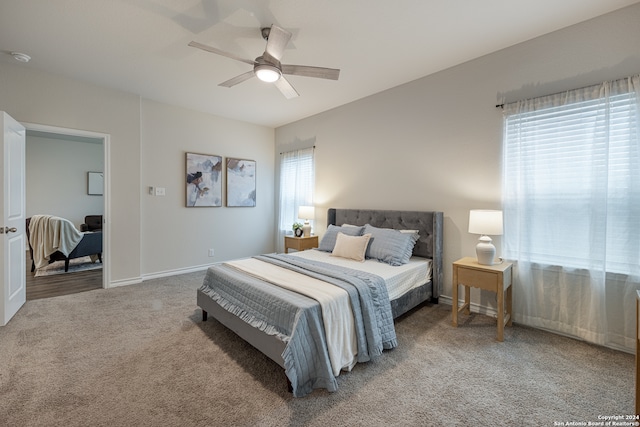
[56,178]
[436,143]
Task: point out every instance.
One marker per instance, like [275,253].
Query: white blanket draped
[337,317]
[49,234]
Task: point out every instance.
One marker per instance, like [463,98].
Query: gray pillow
[328,241]
[390,246]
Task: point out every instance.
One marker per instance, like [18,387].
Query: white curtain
[297,183]
[572,210]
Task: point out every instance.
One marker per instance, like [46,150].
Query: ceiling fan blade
[285,87]
[220,52]
[277,41]
[238,79]
[306,71]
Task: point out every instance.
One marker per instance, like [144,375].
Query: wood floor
[61,284]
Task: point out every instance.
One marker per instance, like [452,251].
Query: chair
[91,244]
[92,223]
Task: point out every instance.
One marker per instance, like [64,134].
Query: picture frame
[241,182]
[95,183]
[203,180]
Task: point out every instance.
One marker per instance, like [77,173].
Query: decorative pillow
[351,247]
[329,239]
[390,246]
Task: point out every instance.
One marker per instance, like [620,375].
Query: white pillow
[351,247]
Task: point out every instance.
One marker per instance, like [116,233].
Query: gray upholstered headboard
[428,224]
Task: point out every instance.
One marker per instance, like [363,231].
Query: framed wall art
[95,183]
[204,180]
[241,182]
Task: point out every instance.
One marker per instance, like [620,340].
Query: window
[297,182]
[572,178]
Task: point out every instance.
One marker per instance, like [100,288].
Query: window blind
[297,182]
[572,178]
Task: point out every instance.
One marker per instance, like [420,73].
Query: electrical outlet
[211,252]
[160,191]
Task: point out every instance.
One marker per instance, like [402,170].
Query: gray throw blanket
[297,320]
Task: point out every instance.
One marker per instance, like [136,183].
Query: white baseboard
[124,282]
[175,272]
[166,273]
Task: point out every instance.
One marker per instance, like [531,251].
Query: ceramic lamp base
[485,251]
[306,229]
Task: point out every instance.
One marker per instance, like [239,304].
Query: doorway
[58,163]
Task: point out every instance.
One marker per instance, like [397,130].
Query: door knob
[10,230]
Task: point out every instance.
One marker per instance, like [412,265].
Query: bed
[291,329]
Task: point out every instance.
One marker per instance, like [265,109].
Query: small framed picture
[241,182]
[204,180]
[95,183]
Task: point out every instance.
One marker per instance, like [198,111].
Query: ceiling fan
[267,67]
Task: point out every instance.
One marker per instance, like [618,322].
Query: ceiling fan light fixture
[267,73]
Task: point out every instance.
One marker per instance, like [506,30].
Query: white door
[12,218]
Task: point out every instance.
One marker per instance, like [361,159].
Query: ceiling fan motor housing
[265,32]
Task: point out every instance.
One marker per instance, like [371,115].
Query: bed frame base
[269,345]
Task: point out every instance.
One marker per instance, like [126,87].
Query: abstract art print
[204,180]
[241,182]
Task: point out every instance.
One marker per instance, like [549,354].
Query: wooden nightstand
[495,278]
[299,243]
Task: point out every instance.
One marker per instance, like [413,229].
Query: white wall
[436,143]
[153,235]
[174,236]
[34,96]
[56,178]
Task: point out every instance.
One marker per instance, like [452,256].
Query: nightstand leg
[467,300]
[500,312]
[454,302]
[510,304]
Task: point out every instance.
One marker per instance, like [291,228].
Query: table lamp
[485,222]
[306,213]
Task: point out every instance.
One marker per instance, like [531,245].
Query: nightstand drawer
[478,279]
[300,243]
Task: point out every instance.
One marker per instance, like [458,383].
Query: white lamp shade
[485,222]
[306,212]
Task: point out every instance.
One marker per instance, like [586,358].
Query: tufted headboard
[428,224]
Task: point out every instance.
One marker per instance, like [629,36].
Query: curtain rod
[282,152]
[578,88]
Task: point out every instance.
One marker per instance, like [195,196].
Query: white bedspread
[48,234]
[399,279]
[334,302]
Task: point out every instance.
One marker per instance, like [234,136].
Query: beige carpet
[140,356]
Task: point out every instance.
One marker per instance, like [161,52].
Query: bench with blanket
[56,239]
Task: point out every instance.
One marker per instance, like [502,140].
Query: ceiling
[140,46]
